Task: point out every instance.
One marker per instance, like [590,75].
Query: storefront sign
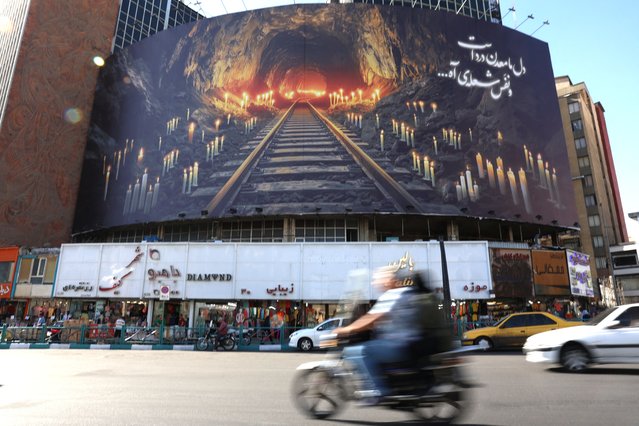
[5,290]
[209,277]
[550,273]
[512,273]
[579,273]
[8,259]
[121,271]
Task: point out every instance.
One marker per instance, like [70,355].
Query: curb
[96,346]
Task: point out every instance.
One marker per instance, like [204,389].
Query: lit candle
[414,160]
[217,125]
[490,171]
[177,155]
[228,119]
[433,106]
[408,105]
[117,168]
[444,133]
[421,106]
[141,155]
[412,138]
[415,105]
[523,184]
[222,143]
[555,186]
[432,173]
[190,180]
[526,158]
[402,136]
[513,186]
[208,151]
[360,121]
[148,200]
[145,177]
[500,137]
[549,182]
[470,135]
[202,136]
[188,114]
[124,156]
[195,173]
[359,92]
[226,98]
[540,167]
[216,147]
[419,165]
[459,141]
[106,181]
[127,201]
[103,165]
[476,191]
[136,194]
[480,165]
[435,144]
[469,183]
[532,164]
[460,196]
[415,119]
[377,121]
[500,163]
[156,192]
[381,140]
[462,184]
[426,168]
[501,180]
[184,179]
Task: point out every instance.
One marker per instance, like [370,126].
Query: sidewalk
[133,347]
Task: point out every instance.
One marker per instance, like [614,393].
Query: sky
[591,41]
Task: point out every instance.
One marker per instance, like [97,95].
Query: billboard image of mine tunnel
[327,109]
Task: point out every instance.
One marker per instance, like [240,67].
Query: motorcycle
[435,391]
[210,339]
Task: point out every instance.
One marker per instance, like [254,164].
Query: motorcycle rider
[407,325]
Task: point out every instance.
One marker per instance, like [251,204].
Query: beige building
[595,185]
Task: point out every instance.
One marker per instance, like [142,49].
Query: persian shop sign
[246,68]
[550,273]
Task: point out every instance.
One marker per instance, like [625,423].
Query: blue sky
[591,41]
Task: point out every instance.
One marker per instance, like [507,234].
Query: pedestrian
[119,323]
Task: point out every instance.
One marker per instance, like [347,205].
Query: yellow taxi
[514,329]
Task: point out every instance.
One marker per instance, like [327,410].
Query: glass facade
[139,19]
[485,10]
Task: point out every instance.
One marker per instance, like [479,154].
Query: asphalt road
[82,387]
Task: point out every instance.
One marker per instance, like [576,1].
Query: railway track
[305,162]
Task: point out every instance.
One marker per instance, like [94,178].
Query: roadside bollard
[122,334]
[82,333]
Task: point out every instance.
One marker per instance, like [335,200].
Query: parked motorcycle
[435,391]
[210,339]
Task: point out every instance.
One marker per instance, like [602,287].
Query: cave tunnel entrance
[308,64]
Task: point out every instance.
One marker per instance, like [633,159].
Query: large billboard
[327,109]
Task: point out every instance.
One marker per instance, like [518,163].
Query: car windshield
[501,321]
[601,316]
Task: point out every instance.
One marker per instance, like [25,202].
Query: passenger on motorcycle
[223,327]
[406,324]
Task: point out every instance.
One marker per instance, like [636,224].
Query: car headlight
[292,335]
[465,336]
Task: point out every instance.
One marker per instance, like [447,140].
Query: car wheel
[305,344]
[484,342]
[574,358]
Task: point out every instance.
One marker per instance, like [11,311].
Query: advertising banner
[579,273]
[78,271]
[512,273]
[550,273]
[8,259]
[450,116]
[468,269]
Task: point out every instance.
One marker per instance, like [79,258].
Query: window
[37,270]
[573,107]
[577,125]
[6,270]
[597,241]
[594,220]
[255,231]
[601,262]
[539,319]
[580,143]
[331,230]
[583,162]
[630,318]
[588,182]
[625,260]
[516,321]
[591,200]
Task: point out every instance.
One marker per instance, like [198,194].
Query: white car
[612,337]
[309,338]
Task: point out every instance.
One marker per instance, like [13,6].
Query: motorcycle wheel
[246,340]
[317,394]
[442,410]
[227,343]
[202,344]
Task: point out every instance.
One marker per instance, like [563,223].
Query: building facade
[598,203]
[139,19]
[485,10]
[625,265]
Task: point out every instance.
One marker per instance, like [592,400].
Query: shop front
[264,285]
[8,261]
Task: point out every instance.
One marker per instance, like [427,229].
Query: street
[80,387]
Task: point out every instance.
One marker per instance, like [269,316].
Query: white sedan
[612,337]
[309,338]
